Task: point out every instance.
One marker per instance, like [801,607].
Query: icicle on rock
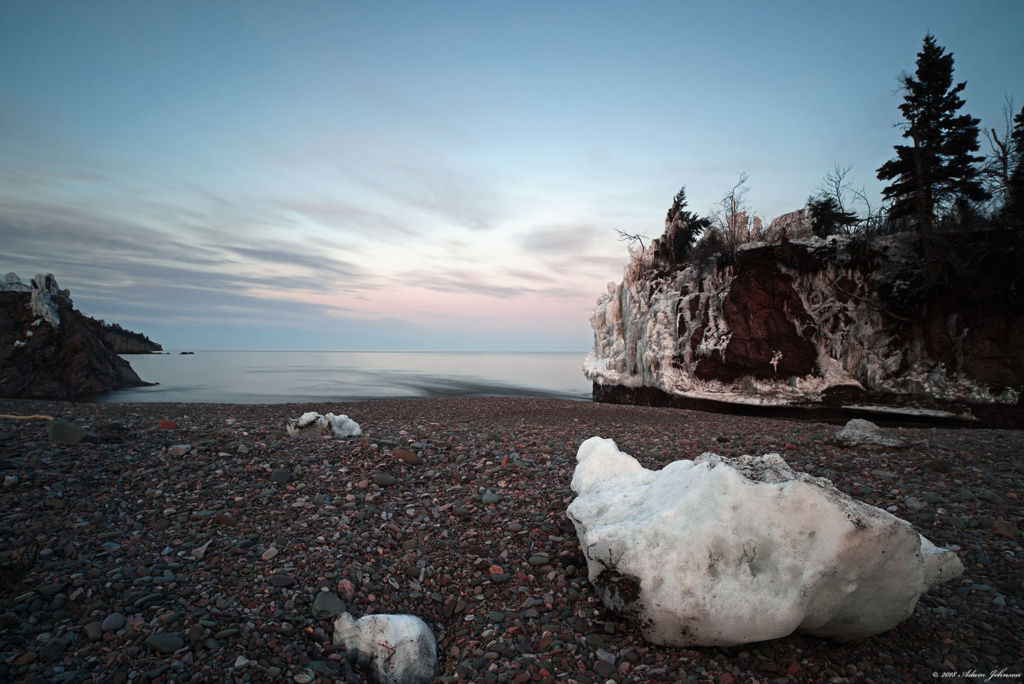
[313,425]
[394,649]
[717,552]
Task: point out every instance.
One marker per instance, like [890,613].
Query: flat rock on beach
[124,558]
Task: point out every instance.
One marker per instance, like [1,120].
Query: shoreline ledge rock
[724,551]
[50,350]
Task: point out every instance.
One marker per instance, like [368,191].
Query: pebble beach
[200,543]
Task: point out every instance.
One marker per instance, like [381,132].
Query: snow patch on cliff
[44,289]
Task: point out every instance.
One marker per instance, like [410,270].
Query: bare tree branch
[1000,161]
[630,238]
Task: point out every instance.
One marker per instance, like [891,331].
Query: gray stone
[328,606]
[63,432]
[604,669]
[490,497]
[384,480]
[539,560]
[51,651]
[280,476]
[94,630]
[282,580]
[113,622]
[51,590]
[179,450]
[225,518]
[165,643]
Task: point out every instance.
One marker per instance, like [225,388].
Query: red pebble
[346,590]
[726,678]
[794,668]
[165,424]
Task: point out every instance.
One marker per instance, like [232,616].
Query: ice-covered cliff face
[43,289]
[787,322]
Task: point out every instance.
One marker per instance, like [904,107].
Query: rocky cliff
[50,350]
[121,341]
[833,325]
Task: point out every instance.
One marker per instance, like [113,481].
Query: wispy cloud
[564,239]
[345,216]
[427,185]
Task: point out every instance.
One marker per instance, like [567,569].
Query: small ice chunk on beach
[313,425]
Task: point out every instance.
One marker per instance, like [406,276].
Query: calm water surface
[257,377]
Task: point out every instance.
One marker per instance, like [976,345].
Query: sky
[430,176]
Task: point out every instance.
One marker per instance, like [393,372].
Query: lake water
[259,377]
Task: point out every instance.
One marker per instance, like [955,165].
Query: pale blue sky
[445,175]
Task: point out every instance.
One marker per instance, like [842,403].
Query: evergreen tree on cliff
[828,218]
[1015,187]
[938,169]
[682,228]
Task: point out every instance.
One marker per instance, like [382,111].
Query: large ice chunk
[312,424]
[398,649]
[721,551]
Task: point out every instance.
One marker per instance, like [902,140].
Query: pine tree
[828,218]
[682,228]
[938,168]
[1015,187]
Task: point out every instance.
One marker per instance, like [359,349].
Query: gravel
[121,560]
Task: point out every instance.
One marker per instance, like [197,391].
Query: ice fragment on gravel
[399,649]
[312,425]
[860,432]
[716,552]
